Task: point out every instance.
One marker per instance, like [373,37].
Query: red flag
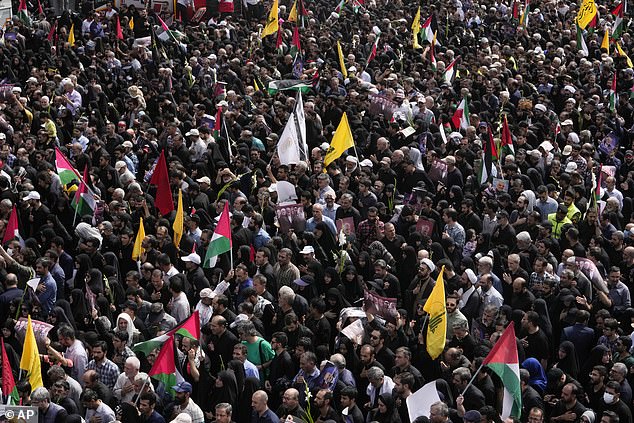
[39,8]
[119,30]
[374,49]
[12,231]
[279,41]
[160,178]
[51,33]
[8,382]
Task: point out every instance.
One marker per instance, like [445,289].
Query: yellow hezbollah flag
[272,22]
[342,64]
[341,141]
[256,87]
[178,222]
[587,12]
[437,324]
[138,249]
[30,360]
[623,54]
[71,40]
[292,16]
[606,41]
[131,23]
[416,29]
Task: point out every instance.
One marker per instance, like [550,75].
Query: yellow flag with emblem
[416,29]
[623,54]
[341,141]
[587,12]
[292,16]
[342,63]
[138,249]
[272,22]
[179,220]
[437,324]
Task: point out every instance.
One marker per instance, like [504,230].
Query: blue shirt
[251,370]
[311,223]
[261,239]
[267,417]
[48,297]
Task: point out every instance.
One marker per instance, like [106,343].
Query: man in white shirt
[488,293]
[124,387]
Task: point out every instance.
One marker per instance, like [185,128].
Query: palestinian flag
[279,41]
[190,328]
[507,139]
[375,46]
[428,28]
[8,382]
[164,368]
[525,15]
[23,13]
[296,45]
[581,42]
[516,10]
[613,96]
[432,53]
[503,361]
[460,118]
[488,153]
[288,84]
[220,241]
[65,170]
[12,230]
[84,201]
[557,131]
[340,6]
[450,71]
[617,26]
[218,122]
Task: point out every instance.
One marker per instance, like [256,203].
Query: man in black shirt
[324,410]
[535,341]
[568,409]
[282,369]
[220,343]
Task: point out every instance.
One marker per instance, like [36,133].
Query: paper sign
[291,216]
[381,306]
[221,287]
[286,192]
[354,332]
[408,131]
[419,402]
[347,224]
[33,283]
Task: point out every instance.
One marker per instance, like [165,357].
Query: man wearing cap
[38,212]
[158,322]
[195,275]
[184,404]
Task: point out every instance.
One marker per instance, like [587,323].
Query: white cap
[239,318]
[365,163]
[540,107]
[567,122]
[204,180]
[193,131]
[119,165]
[207,293]
[193,257]
[127,144]
[307,250]
[571,167]
[33,195]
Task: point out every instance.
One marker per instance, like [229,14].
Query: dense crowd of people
[543,241]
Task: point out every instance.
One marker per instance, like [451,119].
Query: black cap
[129,304]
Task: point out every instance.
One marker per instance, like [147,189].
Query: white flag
[300,119]
[288,145]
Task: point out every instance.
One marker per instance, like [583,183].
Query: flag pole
[472,379]
[136,401]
